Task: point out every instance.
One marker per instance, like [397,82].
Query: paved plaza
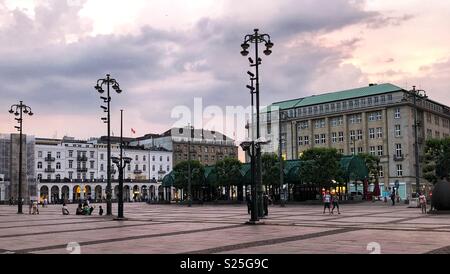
[360,228]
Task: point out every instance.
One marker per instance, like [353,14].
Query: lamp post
[99,87]
[121,163]
[354,154]
[18,110]
[416,94]
[249,147]
[257,38]
[189,167]
[281,116]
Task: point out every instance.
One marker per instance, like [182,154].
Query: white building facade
[72,170]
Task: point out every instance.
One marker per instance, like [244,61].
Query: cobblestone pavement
[360,228]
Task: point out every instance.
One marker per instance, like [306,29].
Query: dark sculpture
[441,195]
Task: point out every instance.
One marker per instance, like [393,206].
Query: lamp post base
[250,222]
[120,219]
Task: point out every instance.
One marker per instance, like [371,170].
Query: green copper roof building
[378,119]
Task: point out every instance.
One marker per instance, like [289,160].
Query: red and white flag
[133,131]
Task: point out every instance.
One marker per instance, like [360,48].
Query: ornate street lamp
[18,110]
[257,38]
[99,87]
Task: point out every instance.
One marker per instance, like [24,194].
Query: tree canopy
[181,174]
[437,159]
[315,159]
[228,172]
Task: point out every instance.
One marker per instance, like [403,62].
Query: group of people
[82,209]
[33,208]
[329,199]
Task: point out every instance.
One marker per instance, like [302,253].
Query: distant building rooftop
[197,134]
[372,89]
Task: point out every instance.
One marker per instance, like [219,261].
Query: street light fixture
[257,38]
[99,87]
[18,110]
[416,94]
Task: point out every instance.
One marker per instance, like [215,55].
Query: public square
[206,229]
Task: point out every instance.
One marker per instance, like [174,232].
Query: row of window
[373,150]
[200,157]
[83,166]
[338,106]
[339,136]
[207,149]
[353,119]
[437,120]
[92,154]
[437,134]
[70,173]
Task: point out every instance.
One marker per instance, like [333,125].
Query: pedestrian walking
[249,203]
[266,204]
[335,204]
[100,211]
[326,202]
[35,208]
[423,203]
[393,197]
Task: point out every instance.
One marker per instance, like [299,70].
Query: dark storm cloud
[38,65]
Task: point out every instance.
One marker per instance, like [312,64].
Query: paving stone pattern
[207,229]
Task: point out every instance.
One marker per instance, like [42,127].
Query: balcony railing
[49,159]
[161,172]
[81,158]
[49,170]
[398,157]
[82,169]
[137,171]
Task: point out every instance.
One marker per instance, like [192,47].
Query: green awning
[168,180]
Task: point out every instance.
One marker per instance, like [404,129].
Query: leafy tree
[437,159]
[270,169]
[181,174]
[320,166]
[228,172]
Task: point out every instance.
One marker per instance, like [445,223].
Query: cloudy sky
[165,53]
